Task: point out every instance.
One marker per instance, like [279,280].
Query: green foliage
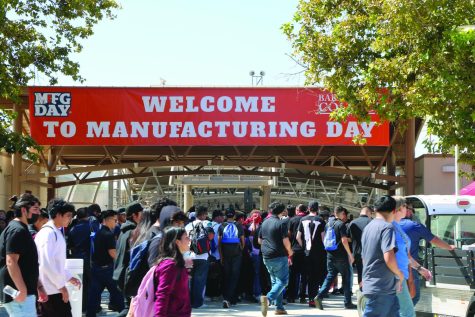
[401,58]
[39,36]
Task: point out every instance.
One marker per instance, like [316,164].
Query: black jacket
[123,255]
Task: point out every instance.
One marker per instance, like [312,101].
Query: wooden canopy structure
[331,169]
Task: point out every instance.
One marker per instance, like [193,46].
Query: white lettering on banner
[207,129]
[120,131]
[67,129]
[246,105]
[190,107]
[139,128]
[100,130]
[50,125]
[367,129]
[335,129]
[208,104]
[201,129]
[176,104]
[154,104]
[268,104]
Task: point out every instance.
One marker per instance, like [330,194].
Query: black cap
[217,213]
[121,210]
[133,208]
[230,212]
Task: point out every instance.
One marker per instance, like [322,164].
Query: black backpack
[200,243]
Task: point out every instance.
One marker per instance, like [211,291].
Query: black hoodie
[123,255]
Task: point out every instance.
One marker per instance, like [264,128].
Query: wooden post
[51,192]
[16,157]
[265,198]
[410,160]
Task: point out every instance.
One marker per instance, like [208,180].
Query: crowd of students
[285,253]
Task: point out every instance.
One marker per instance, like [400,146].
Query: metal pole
[457,184]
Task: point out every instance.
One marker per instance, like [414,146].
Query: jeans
[101,277]
[406,307]
[232,270]
[381,305]
[334,267]
[256,284]
[279,275]
[417,283]
[199,275]
[26,308]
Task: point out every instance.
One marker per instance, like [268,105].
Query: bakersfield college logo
[326,104]
[52,104]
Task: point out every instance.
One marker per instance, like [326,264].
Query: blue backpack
[329,241]
[230,234]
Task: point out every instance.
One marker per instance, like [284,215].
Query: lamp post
[257,80]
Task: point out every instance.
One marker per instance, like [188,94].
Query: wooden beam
[218,162]
[224,172]
[410,160]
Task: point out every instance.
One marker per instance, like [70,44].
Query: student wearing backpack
[230,245]
[215,271]
[339,258]
[51,247]
[198,231]
[310,237]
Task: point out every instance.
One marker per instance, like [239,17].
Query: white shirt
[189,227]
[52,258]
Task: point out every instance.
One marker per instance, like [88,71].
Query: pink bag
[142,304]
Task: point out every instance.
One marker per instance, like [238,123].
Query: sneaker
[264,305]
[226,304]
[303,301]
[311,304]
[280,312]
[350,306]
[318,303]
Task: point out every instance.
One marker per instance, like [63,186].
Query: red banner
[193,116]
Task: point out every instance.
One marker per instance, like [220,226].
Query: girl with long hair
[172,295]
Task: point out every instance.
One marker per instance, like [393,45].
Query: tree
[39,36]
[401,58]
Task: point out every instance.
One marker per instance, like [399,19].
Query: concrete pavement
[333,307]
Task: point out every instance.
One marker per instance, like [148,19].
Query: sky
[190,43]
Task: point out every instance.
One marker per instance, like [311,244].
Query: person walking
[230,245]
[355,231]
[381,275]
[310,236]
[172,298]
[19,261]
[103,253]
[416,232]
[338,260]
[51,246]
[297,275]
[199,273]
[277,253]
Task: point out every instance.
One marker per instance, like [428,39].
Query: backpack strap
[54,231]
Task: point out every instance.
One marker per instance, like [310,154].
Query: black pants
[55,307]
[232,269]
[359,267]
[214,282]
[297,277]
[315,270]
